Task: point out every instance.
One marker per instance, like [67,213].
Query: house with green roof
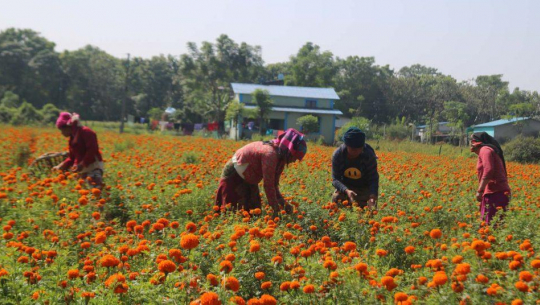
[506,129]
[291,103]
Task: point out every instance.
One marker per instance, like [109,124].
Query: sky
[460,38]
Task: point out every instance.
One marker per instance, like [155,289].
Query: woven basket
[47,161]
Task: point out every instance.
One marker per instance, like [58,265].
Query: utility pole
[123,113]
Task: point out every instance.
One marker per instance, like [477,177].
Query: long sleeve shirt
[83,148]
[491,167]
[367,163]
[262,164]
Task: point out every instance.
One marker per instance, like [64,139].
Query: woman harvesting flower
[255,162]
[84,156]
[493,191]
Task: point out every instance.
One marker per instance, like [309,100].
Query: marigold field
[153,236]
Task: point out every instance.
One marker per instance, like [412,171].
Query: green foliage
[26,114]
[123,145]
[50,113]
[22,154]
[6,114]
[10,100]
[155,114]
[397,131]
[311,67]
[309,123]
[264,103]
[362,123]
[523,149]
[190,157]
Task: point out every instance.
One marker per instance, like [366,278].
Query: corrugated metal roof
[500,122]
[424,126]
[302,110]
[303,92]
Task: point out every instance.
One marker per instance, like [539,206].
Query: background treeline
[36,81]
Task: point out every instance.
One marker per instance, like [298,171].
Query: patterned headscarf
[67,119]
[484,139]
[291,142]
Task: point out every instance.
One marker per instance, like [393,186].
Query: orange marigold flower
[259,275]
[463,268]
[191,227]
[526,276]
[225,266]
[266,285]
[482,279]
[210,298]
[73,274]
[440,278]
[381,252]
[189,241]
[285,286]
[435,233]
[521,286]
[309,288]
[167,266]
[267,299]
[400,297]
[232,283]
[409,250]
[388,282]
[349,246]
[100,237]
[535,264]
[109,261]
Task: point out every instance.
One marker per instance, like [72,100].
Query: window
[311,104]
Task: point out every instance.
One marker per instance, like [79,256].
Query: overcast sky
[461,38]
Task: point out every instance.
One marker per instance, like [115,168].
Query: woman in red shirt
[255,162]
[493,191]
[84,155]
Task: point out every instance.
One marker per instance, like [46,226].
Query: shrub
[190,157]
[50,113]
[10,100]
[6,114]
[523,149]
[26,114]
[397,132]
[358,122]
[309,123]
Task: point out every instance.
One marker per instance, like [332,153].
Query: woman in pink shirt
[493,191]
[255,162]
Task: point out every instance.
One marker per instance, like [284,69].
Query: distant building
[506,129]
[440,132]
[290,103]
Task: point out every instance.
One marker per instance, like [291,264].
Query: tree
[208,71]
[418,70]
[309,123]
[311,68]
[10,100]
[50,113]
[26,114]
[264,103]
[235,112]
[359,83]
[95,84]
[30,67]
[457,115]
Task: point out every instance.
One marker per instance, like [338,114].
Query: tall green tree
[208,71]
[311,68]
[264,104]
[95,85]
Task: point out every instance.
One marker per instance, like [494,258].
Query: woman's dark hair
[489,141]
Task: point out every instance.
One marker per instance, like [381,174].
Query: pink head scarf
[292,142]
[67,119]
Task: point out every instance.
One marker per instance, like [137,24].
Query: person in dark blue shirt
[354,170]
